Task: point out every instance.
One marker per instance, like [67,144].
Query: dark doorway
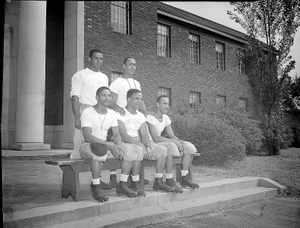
[54,63]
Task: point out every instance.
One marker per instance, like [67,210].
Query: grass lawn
[284,169]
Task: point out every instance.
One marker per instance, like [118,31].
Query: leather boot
[172,183]
[122,189]
[113,182]
[97,194]
[160,185]
[105,186]
[137,188]
[185,181]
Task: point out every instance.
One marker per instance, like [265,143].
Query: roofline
[202,26]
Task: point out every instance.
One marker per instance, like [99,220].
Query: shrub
[214,139]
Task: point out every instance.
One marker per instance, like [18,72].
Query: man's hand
[119,110]
[179,145]
[77,123]
[114,149]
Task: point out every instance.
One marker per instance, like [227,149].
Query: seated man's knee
[189,148]
[173,149]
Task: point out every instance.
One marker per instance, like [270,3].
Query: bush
[247,126]
[214,139]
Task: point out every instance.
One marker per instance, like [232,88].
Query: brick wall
[154,71]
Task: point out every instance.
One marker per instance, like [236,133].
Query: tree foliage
[270,26]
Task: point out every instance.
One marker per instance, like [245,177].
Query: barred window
[120,18]
[241,63]
[163,40]
[195,99]
[221,100]
[194,49]
[164,91]
[220,52]
[113,76]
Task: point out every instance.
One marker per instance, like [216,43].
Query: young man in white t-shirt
[95,123]
[84,85]
[132,127]
[159,122]
[119,89]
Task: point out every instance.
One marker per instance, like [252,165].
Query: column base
[30,146]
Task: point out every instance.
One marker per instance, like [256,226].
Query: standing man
[95,122]
[159,122]
[84,85]
[119,89]
[133,124]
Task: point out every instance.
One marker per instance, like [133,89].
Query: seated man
[157,123]
[133,124]
[96,121]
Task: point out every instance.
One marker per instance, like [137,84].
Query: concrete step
[157,213]
[77,211]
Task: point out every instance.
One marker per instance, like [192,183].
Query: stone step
[76,211]
[157,213]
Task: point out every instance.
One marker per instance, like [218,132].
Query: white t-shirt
[85,83]
[160,126]
[132,122]
[98,122]
[121,86]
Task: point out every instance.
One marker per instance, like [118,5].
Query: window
[221,100]
[241,64]
[195,99]
[220,52]
[163,40]
[164,91]
[120,18]
[194,49]
[114,76]
[243,103]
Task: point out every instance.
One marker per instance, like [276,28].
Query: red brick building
[190,58]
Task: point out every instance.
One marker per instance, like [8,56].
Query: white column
[74,61]
[31,77]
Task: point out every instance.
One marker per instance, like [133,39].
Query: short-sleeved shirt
[121,86]
[132,122]
[160,126]
[85,83]
[98,122]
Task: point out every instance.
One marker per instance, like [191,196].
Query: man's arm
[113,104]
[123,132]
[76,111]
[154,134]
[144,135]
[89,138]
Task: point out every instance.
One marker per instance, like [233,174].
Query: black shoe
[122,189]
[160,185]
[146,181]
[97,194]
[105,186]
[113,182]
[172,183]
[185,181]
[137,188]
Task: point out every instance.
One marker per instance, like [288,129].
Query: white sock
[123,177]
[184,173]
[96,181]
[112,172]
[136,178]
[169,175]
[158,175]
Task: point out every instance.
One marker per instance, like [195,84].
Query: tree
[270,26]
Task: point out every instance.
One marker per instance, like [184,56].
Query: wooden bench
[72,168]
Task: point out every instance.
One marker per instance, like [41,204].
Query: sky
[217,12]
